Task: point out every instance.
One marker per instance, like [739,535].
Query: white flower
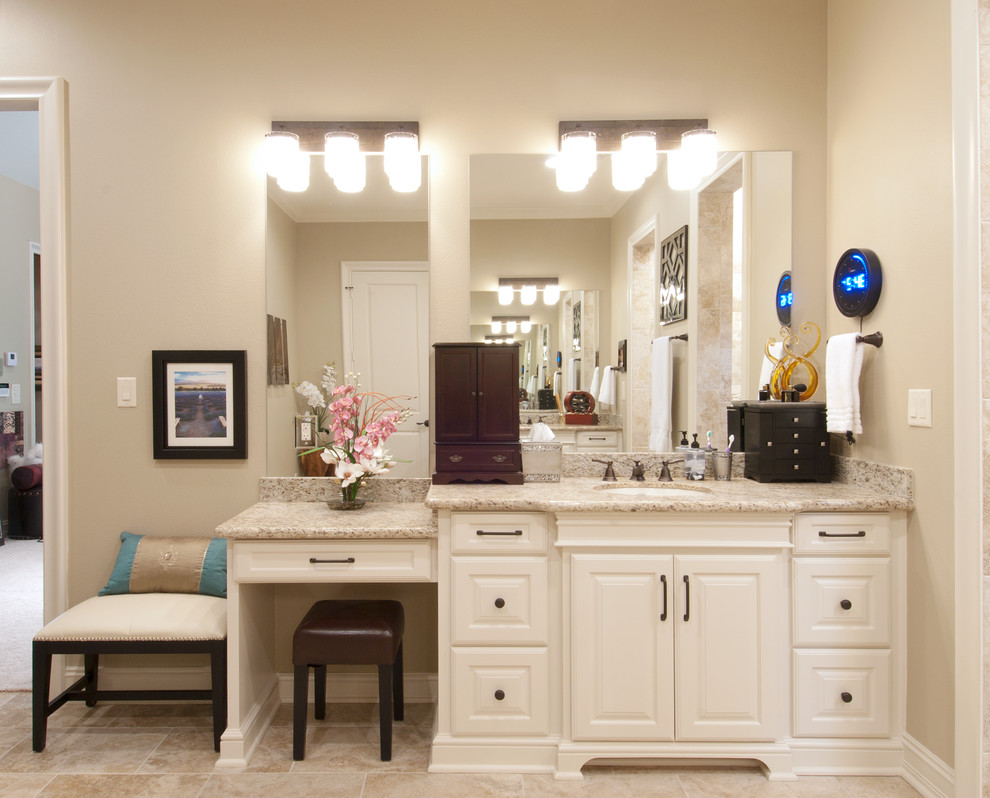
[312,394]
[349,473]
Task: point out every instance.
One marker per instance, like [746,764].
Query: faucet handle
[609,472]
[664,475]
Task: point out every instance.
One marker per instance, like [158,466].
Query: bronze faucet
[609,473]
[664,475]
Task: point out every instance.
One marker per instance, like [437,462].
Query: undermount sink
[654,491]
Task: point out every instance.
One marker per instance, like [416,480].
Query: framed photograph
[199,402]
[672,300]
[620,362]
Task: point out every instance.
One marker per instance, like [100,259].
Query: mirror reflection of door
[385,315]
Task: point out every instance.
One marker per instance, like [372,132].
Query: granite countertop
[308,520]
[707,496]
[526,428]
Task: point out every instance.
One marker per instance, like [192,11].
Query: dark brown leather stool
[348,632]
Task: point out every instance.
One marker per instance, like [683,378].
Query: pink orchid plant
[360,423]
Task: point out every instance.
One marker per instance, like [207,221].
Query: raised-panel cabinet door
[457,395]
[498,394]
[622,683]
[727,646]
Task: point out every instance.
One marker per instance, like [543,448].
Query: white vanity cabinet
[848,588]
[674,647]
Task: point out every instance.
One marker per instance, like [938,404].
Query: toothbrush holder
[722,465]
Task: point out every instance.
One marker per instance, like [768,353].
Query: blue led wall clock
[785,298]
[857,282]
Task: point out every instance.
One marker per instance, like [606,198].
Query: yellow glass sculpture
[781,378]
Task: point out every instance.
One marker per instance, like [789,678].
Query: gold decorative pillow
[151,564]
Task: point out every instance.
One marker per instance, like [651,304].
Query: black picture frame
[199,404]
[620,362]
[672,294]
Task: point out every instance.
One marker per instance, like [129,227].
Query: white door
[386,321]
[727,683]
[622,621]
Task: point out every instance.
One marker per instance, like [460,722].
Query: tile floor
[152,750]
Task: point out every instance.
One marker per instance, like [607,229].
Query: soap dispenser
[684,440]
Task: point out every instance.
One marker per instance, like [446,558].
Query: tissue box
[581,418]
[541,462]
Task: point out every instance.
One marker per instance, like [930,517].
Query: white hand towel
[766,370]
[556,383]
[661,382]
[606,395]
[573,370]
[596,382]
[843,363]
[531,388]
[541,433]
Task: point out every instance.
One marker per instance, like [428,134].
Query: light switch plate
[919,407]
[10,358]
[126,391]
[15,393]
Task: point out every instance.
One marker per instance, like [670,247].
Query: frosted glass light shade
[525,326]
[640,147]
[680,174]
[402,164]
[496,327]
[510,327]
[279,149]
[626,176]
[339,148]
[294,174]
[505,295]
[551,294]
[351,174]
[701,148]
[528,294]
[579,147]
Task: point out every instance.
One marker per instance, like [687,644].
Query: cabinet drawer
[500,691]
[452,458]
[333,561]
[505,533]
[842,693]
[783,435]
[842,533]
[587,439]
[796,418]
[499,600]
[841,602]
[789,467]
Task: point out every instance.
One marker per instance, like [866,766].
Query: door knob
[423,423]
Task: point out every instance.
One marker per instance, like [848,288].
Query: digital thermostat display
[785,298]
[857,282]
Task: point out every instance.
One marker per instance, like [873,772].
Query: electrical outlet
[919,407]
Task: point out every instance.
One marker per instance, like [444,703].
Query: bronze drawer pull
[846,698]
[823,534]
[315,560]
[515,532]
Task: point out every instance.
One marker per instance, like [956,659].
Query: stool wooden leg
[385,710]
[218,686]
[398,695]
[91,666]
[320,691]
[41,680]
[300,693]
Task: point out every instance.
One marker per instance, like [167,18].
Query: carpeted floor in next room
[21,597]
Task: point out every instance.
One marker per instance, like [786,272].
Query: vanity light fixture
[511,323]
[634,146]
[493,339]
[343,145]
[528,288]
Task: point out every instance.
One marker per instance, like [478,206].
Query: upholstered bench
[132,623]
[348,632]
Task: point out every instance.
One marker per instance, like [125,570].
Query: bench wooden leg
[385,709]
[300,694]
[218,686]
[41,679]
[91,667]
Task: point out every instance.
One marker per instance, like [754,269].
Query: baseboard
[362,688]
[924,771]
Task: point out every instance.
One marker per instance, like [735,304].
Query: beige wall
[889,189]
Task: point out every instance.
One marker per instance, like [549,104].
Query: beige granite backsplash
[553,419]
[321,489]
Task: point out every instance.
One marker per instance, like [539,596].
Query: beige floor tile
[442,785]
[876,787]
[285,785]
[84,750]
[182,751]
[163,715]
[26,785]
[607,782]
[116,786]
[753,784]
[333,757]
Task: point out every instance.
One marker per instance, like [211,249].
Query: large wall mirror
[604,246]
[378,239]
